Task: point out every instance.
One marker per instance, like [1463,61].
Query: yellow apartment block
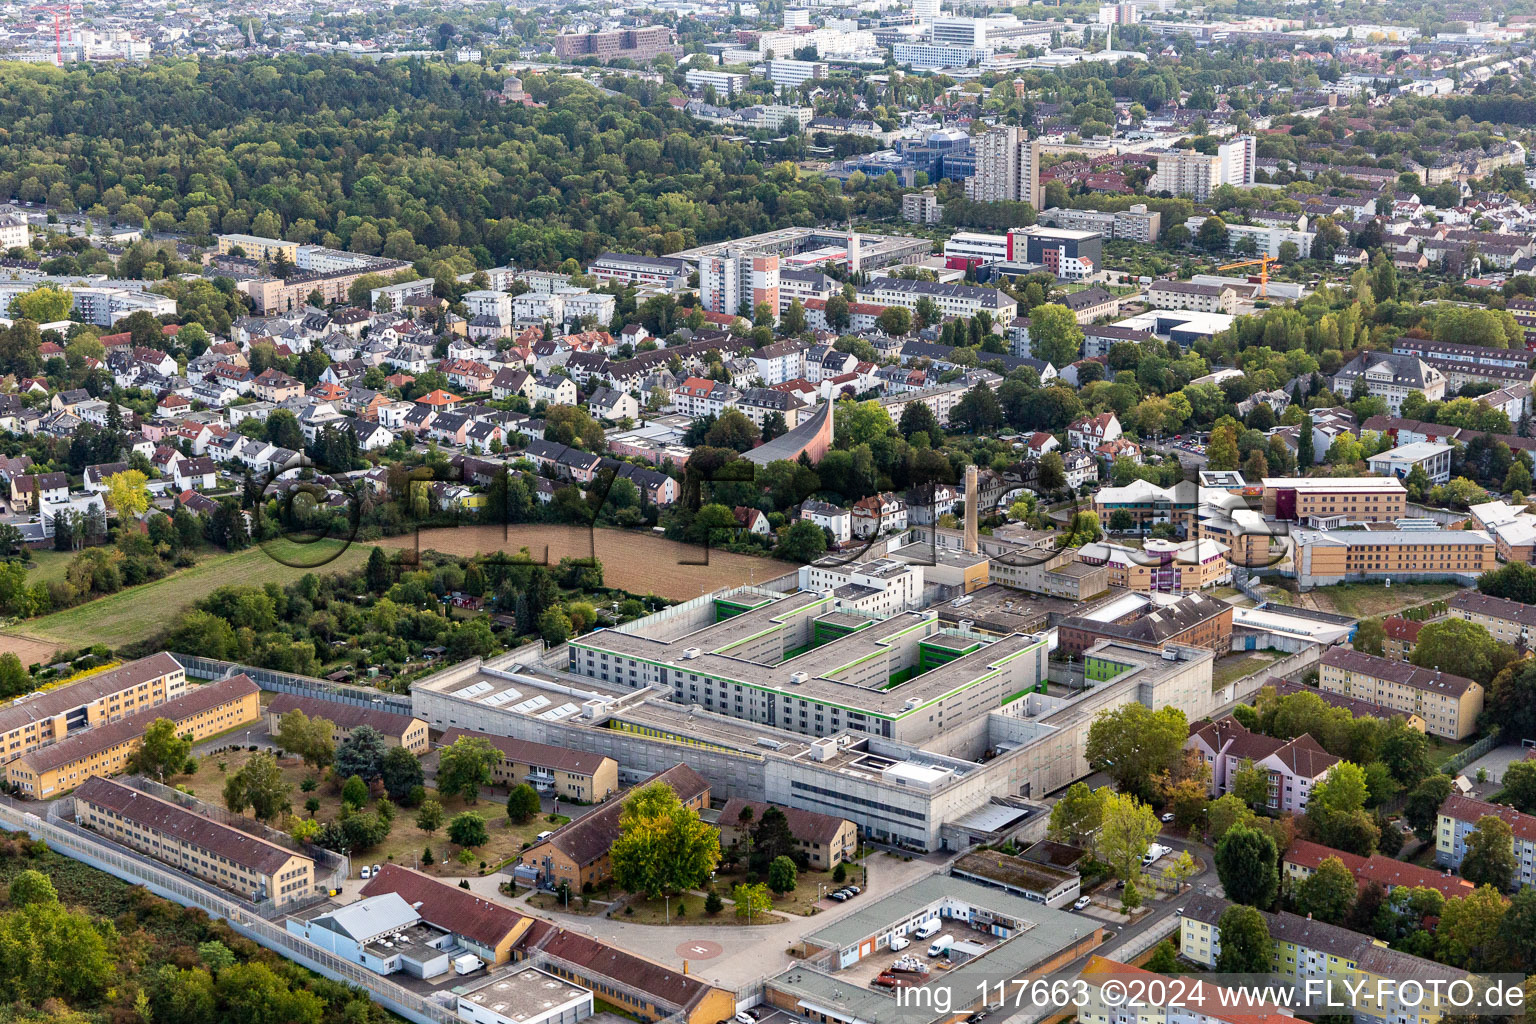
[1374,499]
[568,774]
[201,712]
[398,730]
[253,868]
[41,719]
[1325,557]
[1447,704]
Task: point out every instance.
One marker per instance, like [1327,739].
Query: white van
[899,942]
[928,928]
[1155,851]
[941,945]
[542,836]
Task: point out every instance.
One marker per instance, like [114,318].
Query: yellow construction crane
[1263,263]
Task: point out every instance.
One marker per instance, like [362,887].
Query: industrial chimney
[971,498]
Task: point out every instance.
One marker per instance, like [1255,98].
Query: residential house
[826,839]
[838,522]
[1293,766]
[608,404]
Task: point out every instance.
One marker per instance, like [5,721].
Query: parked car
[1167,817]
[852,890]
[1081,902]
[839,896]
[367,872]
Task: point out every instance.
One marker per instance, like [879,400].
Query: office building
[1007,167]
[567,774]
[1070,254]
[921,208]
[398,730]
[1162,566]
[192,842]
[1448,704]
[629,268]
[925,11]
[801,248]
[526,996]
[50,716]
[199,712]
[738,281]
[791,73]
[1191,295]
[725,83]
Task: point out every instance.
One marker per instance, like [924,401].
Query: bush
[463,883]
[840,873]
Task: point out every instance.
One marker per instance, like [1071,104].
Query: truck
[928,928]
[941,945]
[1155,851]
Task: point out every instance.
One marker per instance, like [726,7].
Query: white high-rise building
[1186,172]
[1238,160]
[736,279]
[926,11]
[1007,167]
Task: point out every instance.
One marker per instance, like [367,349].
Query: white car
[367,872]
[1167,817]
[1082,901]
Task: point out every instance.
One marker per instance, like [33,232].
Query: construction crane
[1263,263]
[60,26]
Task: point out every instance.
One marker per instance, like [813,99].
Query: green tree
[662,846]
[1342,790]
[362,753]
[31,886]
[1490,853]
[802,542]
[127,494]
[1054,334]
[1461,648]
[1248,865]
[429,817]
[1328,893]
[1134,744]
[161,752]
[1246,947]
[1471,932]
[751,900]
[401,773]
[782,876]
[355,791]
[1164,959]
[1077,815]
[1126,831]
[1250,784]
[467,829]
[51,952]
[309,738]
[1222,452]
[1422,807]
[522,803]
[1370,637]
[259,786]
[44,304]
[465,766]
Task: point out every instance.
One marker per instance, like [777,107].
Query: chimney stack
[971,487]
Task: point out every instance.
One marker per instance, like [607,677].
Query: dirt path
[637,562]
[29,649]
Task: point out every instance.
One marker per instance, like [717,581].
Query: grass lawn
[688,910]
[140,612]
[595,904]
[801,900]
[48,566]
[1366,600]
[406,841]
[1233,667]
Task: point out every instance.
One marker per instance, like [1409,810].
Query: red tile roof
[458,910]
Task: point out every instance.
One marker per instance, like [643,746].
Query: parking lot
[863,973]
